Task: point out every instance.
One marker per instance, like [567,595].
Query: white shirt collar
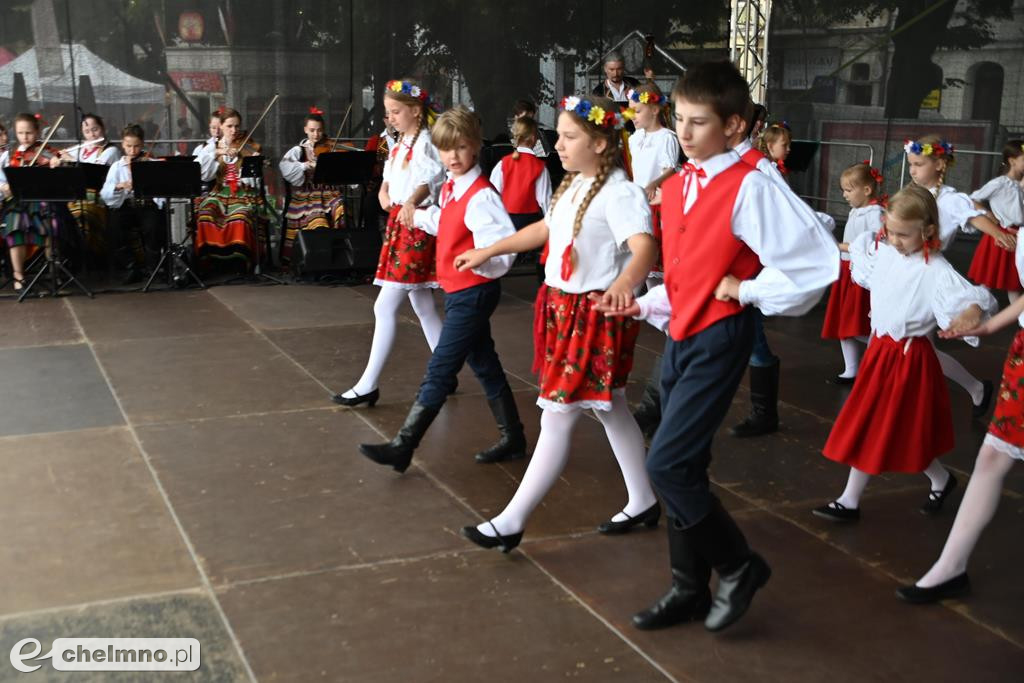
[619,92]
[718,163]
[744,147]
[524,150]
[463,182]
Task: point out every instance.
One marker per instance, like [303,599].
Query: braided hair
[424,117]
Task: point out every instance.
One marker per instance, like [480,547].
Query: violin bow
[258,122]
[348,111]
[53,129]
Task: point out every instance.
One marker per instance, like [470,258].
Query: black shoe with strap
[955,587]
[649,518]
[511,444]
[506,543]
[398,452]
[689,598]
[837,512]
[370,399]
[933,505]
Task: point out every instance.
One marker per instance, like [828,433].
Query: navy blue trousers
[761,356]
[699,377]
[465,338]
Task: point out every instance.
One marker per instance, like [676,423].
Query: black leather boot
[689,598]
[648,412]
[398,452]
[741,572]
[764,403]
[511,444]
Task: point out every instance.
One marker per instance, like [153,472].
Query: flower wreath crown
[646,97]
[407,88]
[943,149]
[589,111]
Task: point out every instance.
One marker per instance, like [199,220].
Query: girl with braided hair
[598,233]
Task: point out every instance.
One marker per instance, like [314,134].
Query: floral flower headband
[943,149]
[779,124]
[407,88]
[589,111]
[646,97]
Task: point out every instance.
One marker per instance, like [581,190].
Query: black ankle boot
[689,598]
[398,452]
[511,444]
[764,403]
[741,572]
[648,412]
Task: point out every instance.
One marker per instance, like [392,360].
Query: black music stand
[346,168]
[44,184]
[153,180]
[252,167]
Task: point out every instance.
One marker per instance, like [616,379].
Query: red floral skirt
[995,267]
[658,269]
[1008,417]
[897,417]
[848,308]
[407,259]
[580,355]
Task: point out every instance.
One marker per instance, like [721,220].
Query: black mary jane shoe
[933,505]
[841,381]
[370,399]
[956,587]
[837,512]
[978,411]
[649,518]
[506,543]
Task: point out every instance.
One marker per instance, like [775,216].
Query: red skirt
[407,258]
[1008,417]
[897,417]
[658,269]
[848,308]
[580,355]
[995,267]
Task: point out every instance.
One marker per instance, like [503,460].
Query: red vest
[518,183]
[699,249]
[453,238]
[752,156]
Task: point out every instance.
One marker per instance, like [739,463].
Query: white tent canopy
[110,84]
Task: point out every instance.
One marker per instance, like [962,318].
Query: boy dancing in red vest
[732,241]
[470,216]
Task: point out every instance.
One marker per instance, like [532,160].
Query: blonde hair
[770,135]
[651,87]
[524,128]
[422,117]
[948,159]
[610,158]
[861,176]
[454,126]
[915,203]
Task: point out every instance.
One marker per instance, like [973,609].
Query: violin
[35,152]
[232,151]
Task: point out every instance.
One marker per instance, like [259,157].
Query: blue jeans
[465,338]
[761,356]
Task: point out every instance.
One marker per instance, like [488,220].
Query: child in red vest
[522,178]
[599,233]
[733,240]
[470,215]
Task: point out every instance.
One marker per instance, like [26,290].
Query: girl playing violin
[232,216]
[25,224]
[310,205]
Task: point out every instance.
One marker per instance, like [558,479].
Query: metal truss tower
[748,43]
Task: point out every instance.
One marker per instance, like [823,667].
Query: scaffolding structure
[748,43]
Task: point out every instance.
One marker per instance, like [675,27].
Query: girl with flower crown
[310,205]
[600,250]
[929,160]
[897,417]
[849,304]
[654,156]
[412,177]
[1003,197]
[25,224]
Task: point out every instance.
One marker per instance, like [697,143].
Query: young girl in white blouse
[849,304]
[406,270]
[897,417]
[929,160]
[654,156]
[600,250]
[992,265]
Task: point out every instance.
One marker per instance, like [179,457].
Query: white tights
[552,453]
[857,481]
[385,311]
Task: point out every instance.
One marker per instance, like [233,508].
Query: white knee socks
[952,369]
[937,475]
[851,357]
[976,510]
[385,312]
[854,488]
[627,442]
[549,458]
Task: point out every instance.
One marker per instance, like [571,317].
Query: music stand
[346,168]
[252,167]
[155,180]
[44,184]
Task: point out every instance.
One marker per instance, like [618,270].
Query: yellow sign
[932,100]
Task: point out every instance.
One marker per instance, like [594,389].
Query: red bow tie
[447,190]
[691,174]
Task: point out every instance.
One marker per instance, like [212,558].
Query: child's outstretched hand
[467,260]
[1006,240]
[632,309]
[967,324]
[728,289]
